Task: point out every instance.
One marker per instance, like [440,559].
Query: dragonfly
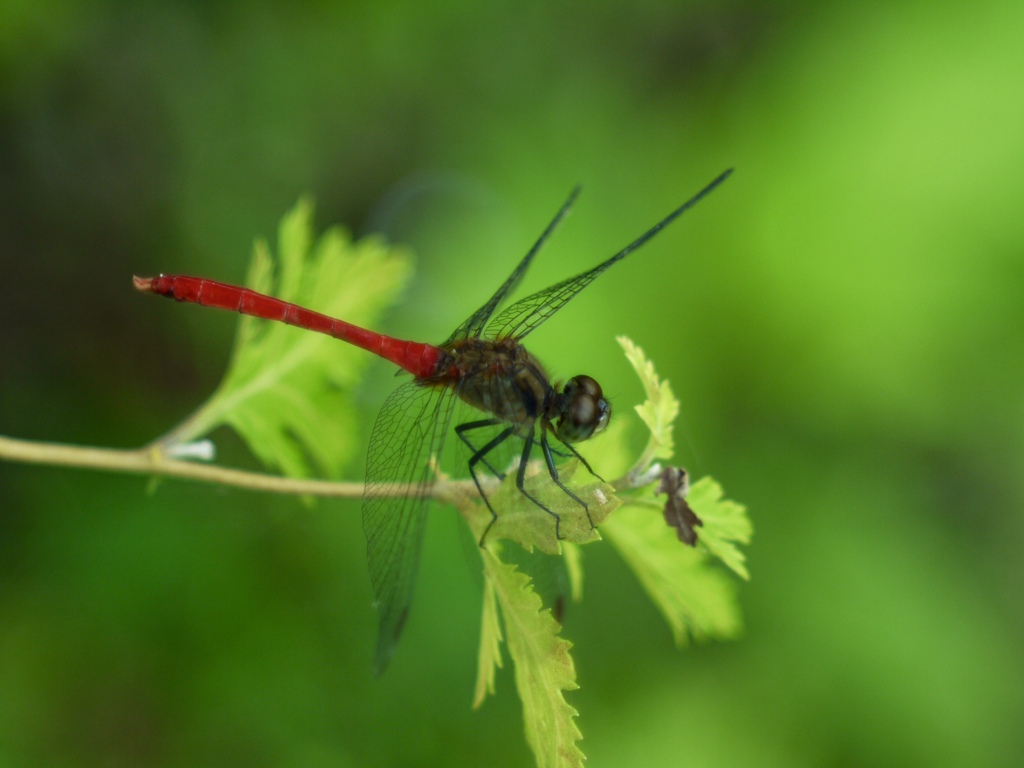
[484,365]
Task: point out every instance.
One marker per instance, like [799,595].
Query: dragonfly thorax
[499,377]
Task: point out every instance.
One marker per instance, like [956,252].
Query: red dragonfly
[484,364]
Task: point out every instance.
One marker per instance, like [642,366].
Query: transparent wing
[525,315]
[475,324]
[409,430]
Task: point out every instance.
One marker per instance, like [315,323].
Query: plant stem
[152,461]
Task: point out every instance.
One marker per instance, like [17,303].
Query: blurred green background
[843,321]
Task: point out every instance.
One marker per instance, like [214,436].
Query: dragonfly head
[583,410]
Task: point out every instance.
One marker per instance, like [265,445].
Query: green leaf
[696,599]
[286,389]
[724,522]
[490,647]
[543,666]
[660,409]
[521,520]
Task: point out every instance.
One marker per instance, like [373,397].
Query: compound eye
[586,411]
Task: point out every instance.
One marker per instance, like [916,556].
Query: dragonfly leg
[561,454]
[579,456]
[478,456]
[469,427]
[521,478]
[553,471]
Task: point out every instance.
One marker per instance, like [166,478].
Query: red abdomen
[415,357]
